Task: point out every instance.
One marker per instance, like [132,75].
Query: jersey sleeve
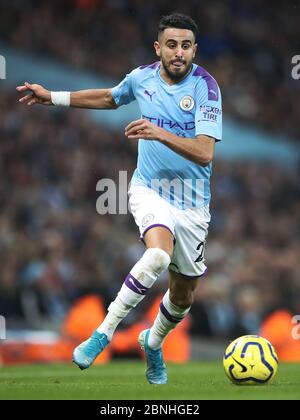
[208,117]
[124,92]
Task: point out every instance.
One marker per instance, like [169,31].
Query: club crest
[147,219]
[187,103]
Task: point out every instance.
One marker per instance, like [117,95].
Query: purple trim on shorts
[167,314]
[156,225]
[212,86]
[135,285]
[191,277]
[150,66]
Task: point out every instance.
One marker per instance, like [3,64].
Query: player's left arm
[199,150]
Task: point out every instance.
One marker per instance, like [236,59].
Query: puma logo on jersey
[149,94]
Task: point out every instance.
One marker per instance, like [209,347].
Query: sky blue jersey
[187,109]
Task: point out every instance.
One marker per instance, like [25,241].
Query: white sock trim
[137,283]
[168,317]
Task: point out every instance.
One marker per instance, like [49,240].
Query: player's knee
[156,260]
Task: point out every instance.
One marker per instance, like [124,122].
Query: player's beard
[180,73]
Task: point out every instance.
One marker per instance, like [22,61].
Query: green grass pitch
[125,380]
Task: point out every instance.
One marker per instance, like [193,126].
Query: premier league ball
[250,360]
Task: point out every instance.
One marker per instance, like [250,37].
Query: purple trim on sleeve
[150,66]
[135,285]
[167,314]
[212,85]
[156,225]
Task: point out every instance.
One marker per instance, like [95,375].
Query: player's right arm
[91,98]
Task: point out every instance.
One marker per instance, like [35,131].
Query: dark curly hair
[178,20]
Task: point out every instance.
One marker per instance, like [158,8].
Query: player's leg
[156,372]
[160,237]
[187,266]
[135,287]
[156,259]
[174,307]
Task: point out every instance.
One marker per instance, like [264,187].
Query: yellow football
[250,360]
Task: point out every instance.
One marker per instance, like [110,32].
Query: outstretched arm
[91,98]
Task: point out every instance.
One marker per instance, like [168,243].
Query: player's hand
[38,94]
[143,129]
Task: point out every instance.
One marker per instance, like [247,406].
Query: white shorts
[189,228]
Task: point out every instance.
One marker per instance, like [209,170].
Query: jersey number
[200,248]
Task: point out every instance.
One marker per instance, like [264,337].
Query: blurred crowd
[54,247]
[247,46]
